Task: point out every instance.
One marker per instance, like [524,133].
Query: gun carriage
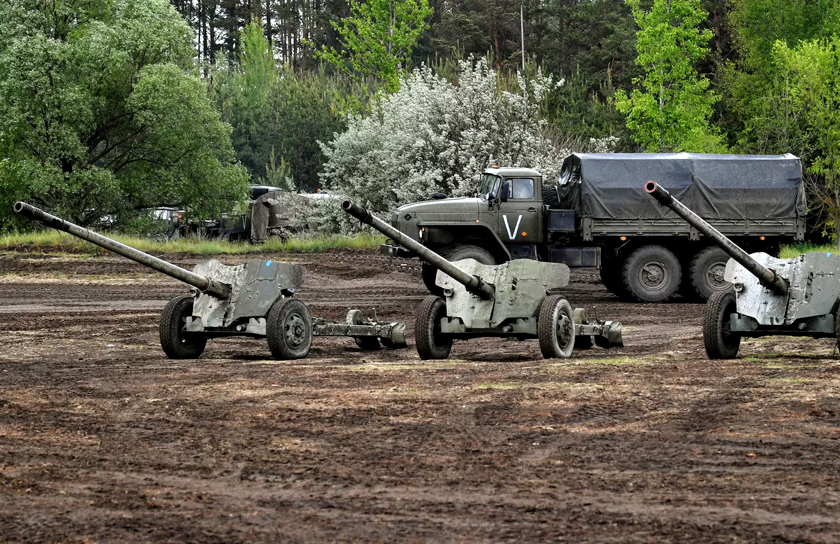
[769,296]
[254,299]
[513,299]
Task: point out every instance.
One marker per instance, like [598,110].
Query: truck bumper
[391,249]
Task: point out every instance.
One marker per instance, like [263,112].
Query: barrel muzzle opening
[650,186]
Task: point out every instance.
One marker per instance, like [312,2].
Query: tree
[378,37]
[812,70]
[434,135]
[754,86]
[241,91]
[671,110]
[104,112]
[279,113]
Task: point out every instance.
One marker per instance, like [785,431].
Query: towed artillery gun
[769,296]
[512,299]
[253,300]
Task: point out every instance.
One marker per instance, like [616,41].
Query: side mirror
[505,191]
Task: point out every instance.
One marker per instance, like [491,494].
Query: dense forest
[113,107]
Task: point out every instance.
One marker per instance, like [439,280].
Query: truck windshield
[488,186]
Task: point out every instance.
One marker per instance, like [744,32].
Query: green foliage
[812,70]
[378,37]
[104,113]
[279,113]
[754,86]
[671,110]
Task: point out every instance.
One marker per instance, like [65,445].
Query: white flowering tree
[434,135]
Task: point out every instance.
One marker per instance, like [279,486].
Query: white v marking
[512,235]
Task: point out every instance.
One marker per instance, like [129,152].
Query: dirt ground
[103,439]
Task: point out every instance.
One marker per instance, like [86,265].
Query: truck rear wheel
[651,274]
[429,272]
[706,272]
[431,344]
[611,278]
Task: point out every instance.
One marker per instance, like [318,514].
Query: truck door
[521,212]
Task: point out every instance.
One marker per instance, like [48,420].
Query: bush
[436,135]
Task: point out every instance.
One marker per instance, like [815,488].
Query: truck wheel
[429,272]
[369,343]
[720,342]
[289,329]
[611,278]
[706,272]
[431,344]
[175,344]
[651,274]
[556,328]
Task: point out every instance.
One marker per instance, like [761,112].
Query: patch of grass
[782,366]
[608,361]
[489,385]
[791,251]
[52,241]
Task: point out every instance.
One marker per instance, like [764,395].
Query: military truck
[598,215]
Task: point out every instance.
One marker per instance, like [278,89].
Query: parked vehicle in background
[598,215]
[269,212]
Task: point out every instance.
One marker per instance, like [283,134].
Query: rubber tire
[275,328]
[635,263]
[719,343]
[610,273]
[551,310]
[172,339]
[551,197]
[367,343]
[431,344]
[698,272]
[467,251]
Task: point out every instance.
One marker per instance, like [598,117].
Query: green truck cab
[597,215]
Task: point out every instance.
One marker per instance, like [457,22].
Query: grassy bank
[59,242]
[788,252]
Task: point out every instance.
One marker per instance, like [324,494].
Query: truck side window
[522,188]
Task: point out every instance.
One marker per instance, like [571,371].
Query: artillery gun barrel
[200,282]
[473,284]
[766,276]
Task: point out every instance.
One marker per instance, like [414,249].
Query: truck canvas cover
[611,185]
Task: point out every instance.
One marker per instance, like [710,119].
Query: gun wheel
[719,340]
[175,344]
[368,343]
[431,344]
[289,329]
[556,328]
